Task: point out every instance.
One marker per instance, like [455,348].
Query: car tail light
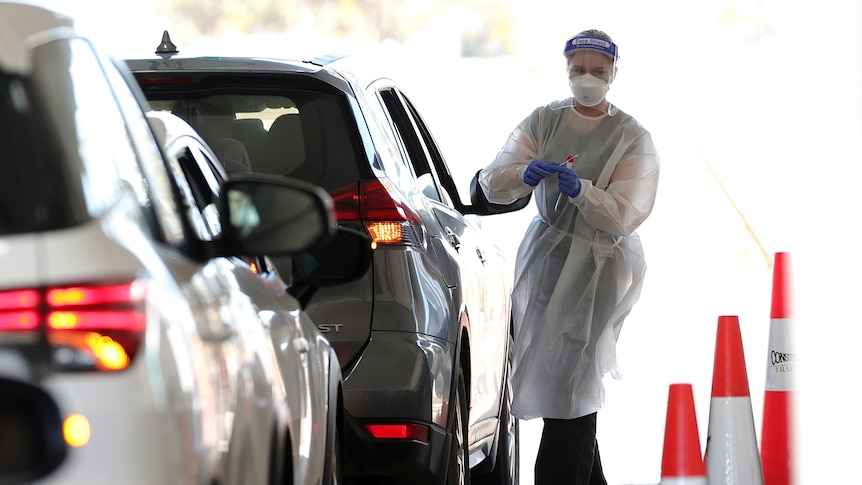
[384,213]
[252,264]
[87,327]
[18,310]
[415,432]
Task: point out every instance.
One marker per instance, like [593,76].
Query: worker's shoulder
[554,108]
[628,121]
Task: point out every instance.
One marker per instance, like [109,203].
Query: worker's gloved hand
[536,171]
[570,184]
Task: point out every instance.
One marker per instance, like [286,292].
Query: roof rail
[326,59]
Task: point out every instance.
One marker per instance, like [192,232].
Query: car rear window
[300,133]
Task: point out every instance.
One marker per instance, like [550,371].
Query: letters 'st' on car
[424,335]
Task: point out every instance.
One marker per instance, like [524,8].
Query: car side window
[205,182]
[88,122]
[437,164]
[418,147]
[394,159]
[131,100]
[191,198]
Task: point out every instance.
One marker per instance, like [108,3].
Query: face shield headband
[594,43]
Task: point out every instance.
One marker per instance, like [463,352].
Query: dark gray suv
[424,336]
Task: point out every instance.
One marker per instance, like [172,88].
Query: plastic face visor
[593,43]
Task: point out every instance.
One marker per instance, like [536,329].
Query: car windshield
[302,134]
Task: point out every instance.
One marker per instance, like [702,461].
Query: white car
[132,300]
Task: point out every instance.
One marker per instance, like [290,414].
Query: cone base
[776,445]
[731,445]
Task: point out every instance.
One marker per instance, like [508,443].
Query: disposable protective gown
[580,265]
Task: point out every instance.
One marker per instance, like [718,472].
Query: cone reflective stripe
[681,459]
[732,456]
[776,434]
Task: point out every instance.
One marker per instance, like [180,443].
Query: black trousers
[569,453]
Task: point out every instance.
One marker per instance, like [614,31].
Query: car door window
[437,165]
[192,195]
[151,168]
[205,177]
[417,146]
[391,151]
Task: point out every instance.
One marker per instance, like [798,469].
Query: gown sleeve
[629,198]
[503,180]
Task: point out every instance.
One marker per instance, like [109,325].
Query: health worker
[594,171]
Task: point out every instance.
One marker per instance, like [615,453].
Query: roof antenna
[166,48]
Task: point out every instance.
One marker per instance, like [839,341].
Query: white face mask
[588,89]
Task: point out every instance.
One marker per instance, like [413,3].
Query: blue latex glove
[536,171]
[570,184]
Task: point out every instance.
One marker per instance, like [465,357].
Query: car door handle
[453,238]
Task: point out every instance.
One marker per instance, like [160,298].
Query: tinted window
[394,158]
[22,207]
[301,133]
[131,100]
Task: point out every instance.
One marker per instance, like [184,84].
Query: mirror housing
[274,216]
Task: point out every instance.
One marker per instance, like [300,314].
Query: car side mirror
[31,433]
[274,216]
[484,207]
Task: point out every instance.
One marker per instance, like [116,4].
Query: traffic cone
[732,457]
[681,460]
[776,434]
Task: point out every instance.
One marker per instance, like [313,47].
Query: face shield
[591,63]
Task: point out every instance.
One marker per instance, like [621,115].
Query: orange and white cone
[732,457]
[776,434]
[681,459]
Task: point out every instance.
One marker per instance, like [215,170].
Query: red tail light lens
[18,310]
[88,327]
[346,202]
[399,431]
[385,214]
